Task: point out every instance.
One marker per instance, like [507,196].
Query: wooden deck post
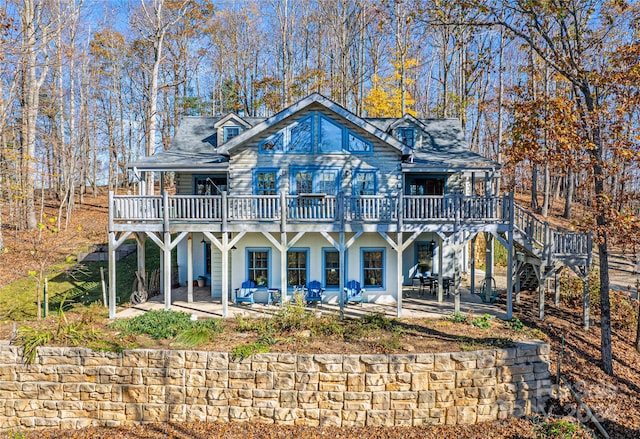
[225,273]
[190,268]
[586,311]
[473,265]
[456,279]
[112,272]
[541,291]
[343,270]
[440,270]
[400,277]
[283,261]
[140,252]
[510,261]
[166,263]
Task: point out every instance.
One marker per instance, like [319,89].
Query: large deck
[192,213]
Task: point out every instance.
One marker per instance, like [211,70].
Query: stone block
[242,413]
[196,378]
[285,416]
[380,418]
[351,364]
[306,364]
[284,380]
[426,399]
[307,381]
[355,382]
[288,398]
[219,361]
[442,363]
[380,401]
[135,358]
[354,418]
[134,394]
[264,380]
[330,418]
[195,359]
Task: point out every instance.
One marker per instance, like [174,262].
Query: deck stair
[542,248]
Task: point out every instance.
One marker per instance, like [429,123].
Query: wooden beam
[400,276]
[353,239]
[331,241]
[166,259]
[225,274]
[190,269]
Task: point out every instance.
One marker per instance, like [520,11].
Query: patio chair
[245,292]
[353,292]
[489,291]
[313,293]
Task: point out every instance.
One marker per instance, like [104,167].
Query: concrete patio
[414,305]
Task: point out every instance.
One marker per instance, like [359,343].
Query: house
[318,193]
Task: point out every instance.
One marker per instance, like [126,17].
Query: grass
[79,282]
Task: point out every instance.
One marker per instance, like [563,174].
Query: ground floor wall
[76,387]
[314,247]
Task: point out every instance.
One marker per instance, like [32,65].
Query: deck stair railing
[547,242]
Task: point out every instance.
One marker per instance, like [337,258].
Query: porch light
[432,246]
[203,241]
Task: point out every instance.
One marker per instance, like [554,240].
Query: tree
[153,22]
[567,36]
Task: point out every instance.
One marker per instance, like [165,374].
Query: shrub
[514,324]
[156,324]
[378,320]
[247,350]
[561,429]
[482,322]
[457,317]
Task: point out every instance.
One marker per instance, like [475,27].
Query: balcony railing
[309,208]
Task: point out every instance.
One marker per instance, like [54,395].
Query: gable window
[356,144]
[373,267]
[265,181]
[365,183]
[311,180]
[407,135]
[330,136]
[258,261]
[297,267]
[230,132]
[296,138]
[331,268]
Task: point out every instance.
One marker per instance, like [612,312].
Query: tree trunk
[568,200]
[534,188]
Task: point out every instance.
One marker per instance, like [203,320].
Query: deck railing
[571,243]
[310,207]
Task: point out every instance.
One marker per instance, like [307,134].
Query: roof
[195,148]
[313,99]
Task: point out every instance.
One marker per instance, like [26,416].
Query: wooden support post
[112,274]
[400,277]
[190,268]
[141,252]
[473,265]
[166,263]
[456,280]
[488,255]
[541,299]
[519,266]
[283,263]
[510,274]
[225,274]
[556,290]
[343,270]
[103,285]
[440,270]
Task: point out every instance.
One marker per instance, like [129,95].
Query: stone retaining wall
[76,387]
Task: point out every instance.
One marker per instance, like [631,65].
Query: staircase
[540,245]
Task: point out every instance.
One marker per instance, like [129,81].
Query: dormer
[408,130]
[229,127]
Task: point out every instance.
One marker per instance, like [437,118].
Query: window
[265,181]
[310,180]
[373,268]
[407,136]
[209,184]
[296,138]
[300,138]
[230,132]
[331,268]
[258,266]
[420,185]
[330,136]
[297,267]
[356,144]
[365,183]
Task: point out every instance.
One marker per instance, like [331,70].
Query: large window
[296,138]
[330,136]
[258,261]
[331,268]
[314,180]
[365,183]
[407,136]
[265,181]
[297,266]
[373,267]
[300,138]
